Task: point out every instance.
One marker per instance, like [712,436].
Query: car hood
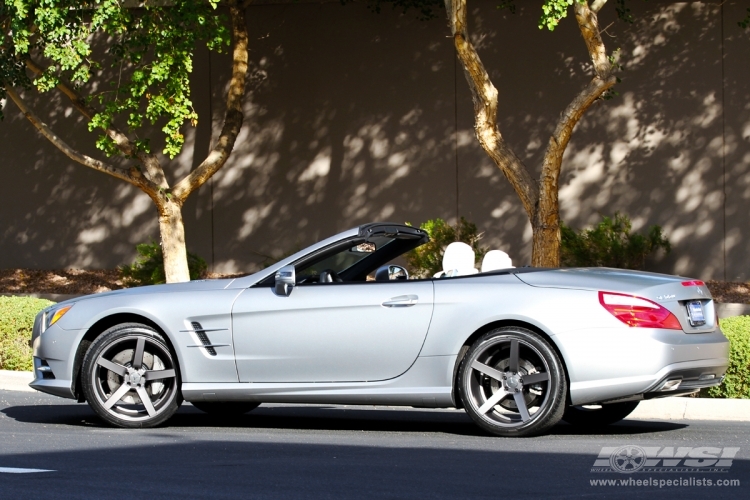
[190,286]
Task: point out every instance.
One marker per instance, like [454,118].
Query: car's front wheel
[129,377]
[599,415]
[512,383]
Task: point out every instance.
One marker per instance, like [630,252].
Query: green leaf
[611,244]
[426,260]
[148,268]
[737,381]
[145,71]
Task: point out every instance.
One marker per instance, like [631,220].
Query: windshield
[344,259]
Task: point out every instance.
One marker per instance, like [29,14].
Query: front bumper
[45,380]
[54,354]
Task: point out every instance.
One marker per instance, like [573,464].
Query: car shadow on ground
[328,418]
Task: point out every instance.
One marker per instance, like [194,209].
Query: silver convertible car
[341,323]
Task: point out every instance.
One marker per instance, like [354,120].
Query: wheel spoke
[521,404]
[159,374]
[146,400]
[494,400]
[513,361]
[138,354]
[111,366]
[118,394]
[535,378]
[487,370]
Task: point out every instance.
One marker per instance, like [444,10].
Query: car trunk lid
[674,293]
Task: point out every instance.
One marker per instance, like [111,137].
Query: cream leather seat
[458,260]
[496,259]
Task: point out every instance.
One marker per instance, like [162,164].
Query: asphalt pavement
[56,448]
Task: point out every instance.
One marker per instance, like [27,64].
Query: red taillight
[638,312]
[693,283]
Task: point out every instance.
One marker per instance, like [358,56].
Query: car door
[334,332]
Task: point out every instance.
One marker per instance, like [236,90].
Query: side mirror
[285,280]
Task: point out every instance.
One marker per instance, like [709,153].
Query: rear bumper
[641,363]
[683,379]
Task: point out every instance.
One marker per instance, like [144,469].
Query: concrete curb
[734,410]
[16,381]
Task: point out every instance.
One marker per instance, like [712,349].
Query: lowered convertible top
[400,231]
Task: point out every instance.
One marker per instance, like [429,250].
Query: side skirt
[428,383]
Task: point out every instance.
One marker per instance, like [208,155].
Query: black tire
[133,363]
[492,385]
[598,416]
[225,408]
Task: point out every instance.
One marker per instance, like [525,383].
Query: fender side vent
[201,333]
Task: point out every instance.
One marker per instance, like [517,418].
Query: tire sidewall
[543,419]
[89,365]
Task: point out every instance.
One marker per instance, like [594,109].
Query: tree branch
[125,145]
[234,115]
[132,175]
[597,5]
[603,80]
[485,98]
[588,23]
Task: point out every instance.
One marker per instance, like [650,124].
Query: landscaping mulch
[79,282]
[729,291]
[67,281]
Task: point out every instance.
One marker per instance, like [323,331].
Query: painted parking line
[15,470]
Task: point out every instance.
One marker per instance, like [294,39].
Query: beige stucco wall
[353,117]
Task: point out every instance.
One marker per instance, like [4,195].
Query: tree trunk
[151,179]
[172,232]
[539,197]
[545,246]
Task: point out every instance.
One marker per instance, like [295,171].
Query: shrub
[148,268]
[16,321]
[737,381]
[427,259]
[610,244]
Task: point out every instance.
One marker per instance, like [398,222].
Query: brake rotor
[531,394]
[124,358]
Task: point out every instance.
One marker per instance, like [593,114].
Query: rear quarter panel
[597,348]
[464,305]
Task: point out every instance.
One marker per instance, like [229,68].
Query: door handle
[401,301]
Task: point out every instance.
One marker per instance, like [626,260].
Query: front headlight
[53,316]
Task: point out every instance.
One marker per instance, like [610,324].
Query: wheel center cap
[135,378]
[514,382]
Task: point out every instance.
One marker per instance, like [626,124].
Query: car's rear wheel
[598,415]
[512,383]
[130,378]
[225,408]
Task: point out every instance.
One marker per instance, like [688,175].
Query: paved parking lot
[288,451]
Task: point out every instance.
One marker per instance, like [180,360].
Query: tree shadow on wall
[373,121]
[654,152]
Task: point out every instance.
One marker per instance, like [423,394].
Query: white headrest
[496,259]
[459,256]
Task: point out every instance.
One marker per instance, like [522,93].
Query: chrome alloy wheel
[512,383]
[132,378]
